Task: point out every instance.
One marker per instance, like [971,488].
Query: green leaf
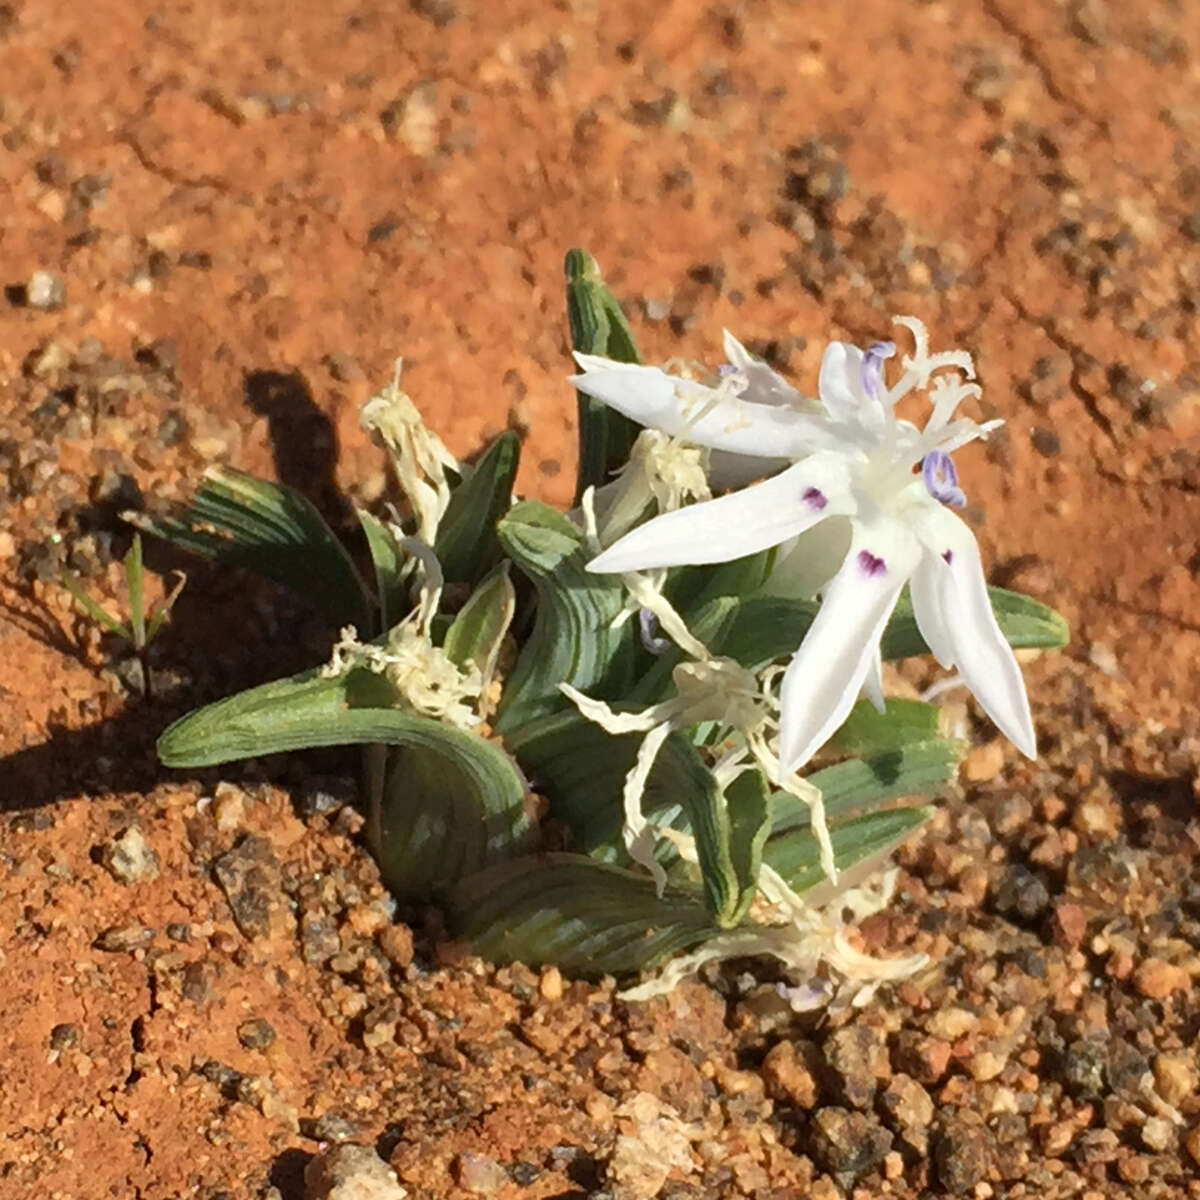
[858,784]
[586,917]
[287,714]
[573,639]
[388,560]
[479,627]
[690,588]
[748,803]
[856,844]
[272,530]
[866,731]
[452,803]
[581,770]
[134,578]
[466,543]
[598,327]
[1026,623]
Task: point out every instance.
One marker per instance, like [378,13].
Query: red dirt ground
[252,209]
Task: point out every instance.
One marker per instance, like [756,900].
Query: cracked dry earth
[219,223]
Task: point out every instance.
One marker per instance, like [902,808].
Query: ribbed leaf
[866,731]
[598,327]
[271,530]
[690,588]
[466,543]
[388,560]
[287,714]
[748,802]
[580,769]
[573,639]
[452,803]
[587,917]
[797,857]
[860,784]
[480,625]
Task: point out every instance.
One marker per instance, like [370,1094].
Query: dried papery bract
[419,457]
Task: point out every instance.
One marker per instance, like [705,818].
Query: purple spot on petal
[870,565]
[948,555]
[814,498]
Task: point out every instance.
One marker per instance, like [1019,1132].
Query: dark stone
[1020,893]
[257,1034]
[847,1142]
[250,878]
[962,1155]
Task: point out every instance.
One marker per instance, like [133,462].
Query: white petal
[702,415]
[953,606]
[839,381]
[744,522]
[767,386]
[826,674]
[924,587]
[873,683]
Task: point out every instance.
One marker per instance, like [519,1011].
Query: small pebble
[1156,980]
[479,1174]
[124,939]
[787,1076]
[849,1141]
[1158,1134]
[128,859]
[551,984]
[350,1172]
[45,291]
[962,1155]
[257,1034]
[1175,1077]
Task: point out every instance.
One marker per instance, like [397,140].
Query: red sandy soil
[252,209]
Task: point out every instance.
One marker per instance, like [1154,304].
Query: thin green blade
[271,530]
[466,543]
[598,327]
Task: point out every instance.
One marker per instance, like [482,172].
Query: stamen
[941,479]
[948,555]
[648,628]
[814,498]
[870,565]
[871,371]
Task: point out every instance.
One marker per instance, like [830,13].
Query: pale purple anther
[941,479]
[872,368]
[871,565]
[726,369]
[815,498]
[648,628]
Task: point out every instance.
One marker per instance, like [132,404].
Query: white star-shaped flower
[876,487]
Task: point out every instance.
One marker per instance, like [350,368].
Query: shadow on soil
[287,1174]
[303,441]
[228,631]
